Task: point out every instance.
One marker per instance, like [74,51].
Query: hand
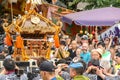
[16,67]
[111,36]
[58,71]
[62,66]
[106,73]
[90,68]
[99,71]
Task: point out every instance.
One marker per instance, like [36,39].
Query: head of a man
[78,51]
[117,59]
[117,47]
[9,65]
[96,54]
[47,70]
[107,41]
[101,45]
[85,47]
[62,44]
[68,40]
[76,69]
[74,44]
[84,39]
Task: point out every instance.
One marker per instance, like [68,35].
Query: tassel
[48,52]
[56,40]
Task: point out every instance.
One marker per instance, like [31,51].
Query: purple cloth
[96,17]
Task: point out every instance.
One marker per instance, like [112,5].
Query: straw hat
[100,51]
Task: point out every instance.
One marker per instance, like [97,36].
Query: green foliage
[102,3]
[93,3]
[59,10]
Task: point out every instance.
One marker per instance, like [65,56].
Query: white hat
[85,37]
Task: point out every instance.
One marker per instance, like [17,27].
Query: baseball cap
[47,66]
[76,65]
[85,37]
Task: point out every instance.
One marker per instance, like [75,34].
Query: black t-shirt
[72,53]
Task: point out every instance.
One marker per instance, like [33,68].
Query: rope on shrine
[11,10]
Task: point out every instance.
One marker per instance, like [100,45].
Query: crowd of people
[77,59]
[81,58]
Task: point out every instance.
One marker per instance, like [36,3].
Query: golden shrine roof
[32,23]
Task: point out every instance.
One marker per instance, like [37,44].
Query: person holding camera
[108,76]
[76,71]
[94,63]
[9,71]
[63,69]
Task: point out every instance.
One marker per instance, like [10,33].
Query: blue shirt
[85,56]
[54,78]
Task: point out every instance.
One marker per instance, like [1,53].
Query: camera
[30,68]
[22,65]
[19,72]
[33,63]
[94,63]
[32,72]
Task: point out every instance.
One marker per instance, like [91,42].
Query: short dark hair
[101,43]
[107,38]
[40,60]
[63,43]
[84,64]
[79,71]
[9,64]
[118,54]
[61,61]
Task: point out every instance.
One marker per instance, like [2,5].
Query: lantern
[86,32]
[91,36]
[93,32]
[81,32]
